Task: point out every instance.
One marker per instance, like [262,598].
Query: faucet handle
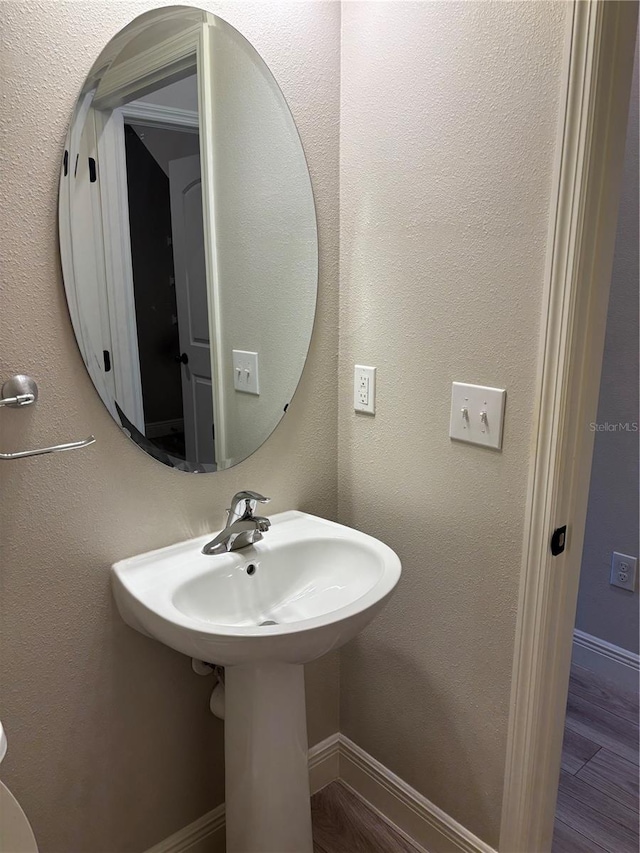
[250,499]
[251,496]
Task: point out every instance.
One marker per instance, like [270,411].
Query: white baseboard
[611,662]
[324,762]
[417,818]
[204,835]
[337,757]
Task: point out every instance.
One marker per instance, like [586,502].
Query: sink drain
[267,622]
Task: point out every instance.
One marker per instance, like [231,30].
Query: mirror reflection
[188,239]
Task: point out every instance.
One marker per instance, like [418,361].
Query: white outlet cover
[468,402]
[245,371]
[364,389]
[623,571]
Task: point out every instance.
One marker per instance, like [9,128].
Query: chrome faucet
[243,527]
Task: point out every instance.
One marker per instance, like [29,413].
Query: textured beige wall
[449,118]
[612,516]
[112,746]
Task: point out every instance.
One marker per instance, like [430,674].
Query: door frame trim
[578,274]
[117,239]
[114,197]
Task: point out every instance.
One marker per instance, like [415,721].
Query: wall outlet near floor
[364,389]
[623,571]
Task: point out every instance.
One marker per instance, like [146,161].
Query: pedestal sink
[262,612]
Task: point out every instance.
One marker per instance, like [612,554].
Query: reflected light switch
[245,371]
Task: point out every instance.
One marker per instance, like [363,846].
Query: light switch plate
[477,414]
[245,371]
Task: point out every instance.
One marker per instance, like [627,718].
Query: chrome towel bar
[18,400]
[22,391]
[56,448]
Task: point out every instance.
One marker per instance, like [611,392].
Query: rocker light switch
[477,414]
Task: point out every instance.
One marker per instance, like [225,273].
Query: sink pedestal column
[266,775]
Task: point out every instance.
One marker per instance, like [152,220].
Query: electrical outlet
[623,571]
[364,389]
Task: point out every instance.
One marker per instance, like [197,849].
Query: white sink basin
[261,612]
[320,582]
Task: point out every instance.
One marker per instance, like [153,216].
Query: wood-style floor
[597,801]
[342,823]
[597,808]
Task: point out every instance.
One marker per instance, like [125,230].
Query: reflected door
[191,299]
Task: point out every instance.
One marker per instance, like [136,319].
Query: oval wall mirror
[188,239]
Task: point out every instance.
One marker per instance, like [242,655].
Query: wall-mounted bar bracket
[19,391]
[22,391]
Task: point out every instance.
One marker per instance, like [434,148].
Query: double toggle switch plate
[245,371]
[477,414]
